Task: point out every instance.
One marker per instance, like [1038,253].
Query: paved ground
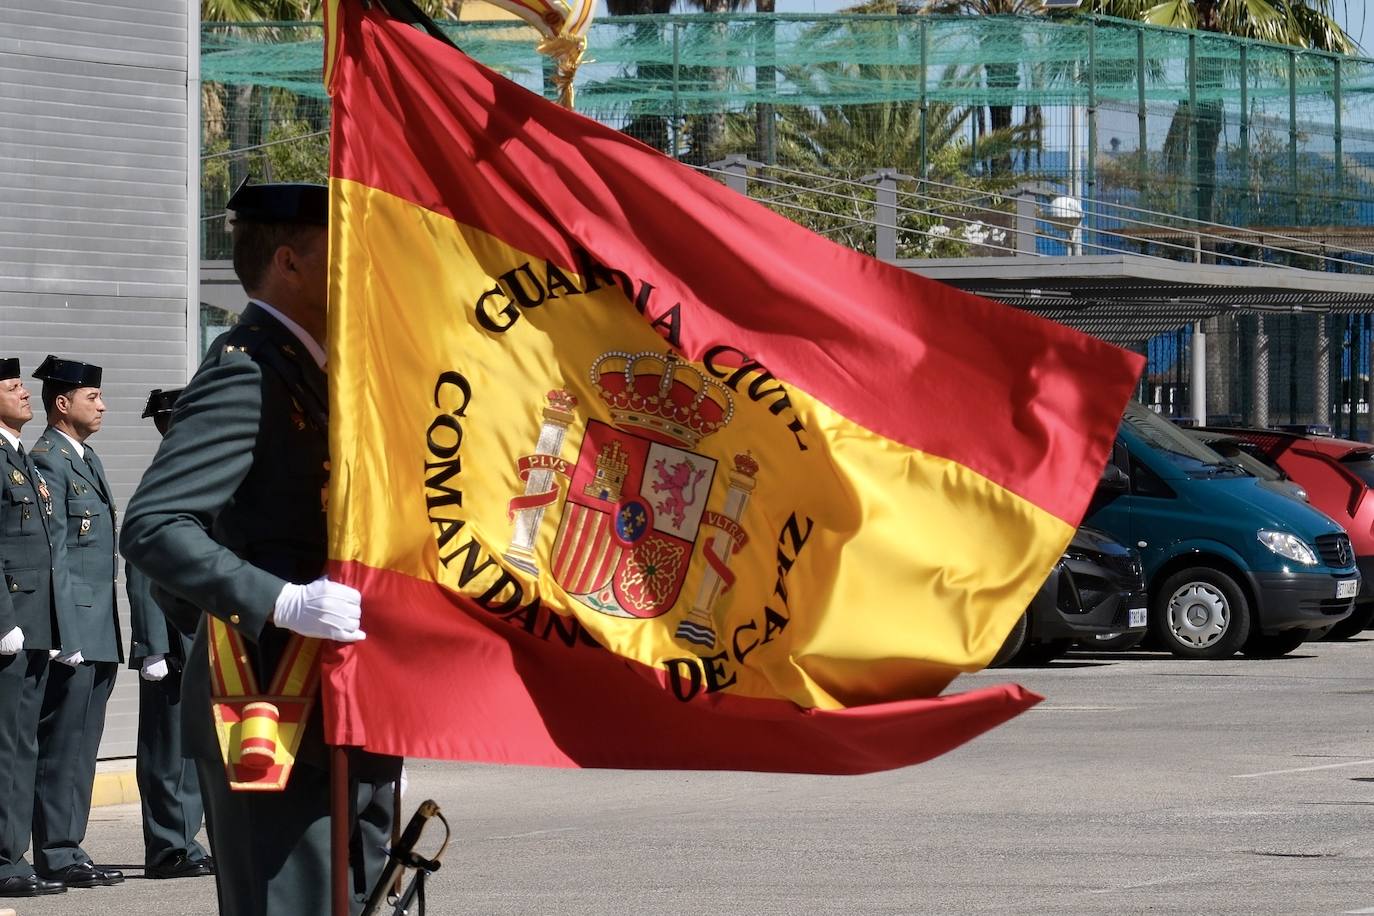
[1143,784]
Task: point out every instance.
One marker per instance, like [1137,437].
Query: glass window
[214,321]
[1190,456]
[1361,464]
[1145,482]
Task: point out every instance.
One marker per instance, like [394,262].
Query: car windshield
[1361,464]
[1185,453]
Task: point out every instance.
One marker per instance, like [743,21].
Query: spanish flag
[634,472]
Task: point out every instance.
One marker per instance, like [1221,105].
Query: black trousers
[168,787]
[69,730]
[272,848]
[23,679]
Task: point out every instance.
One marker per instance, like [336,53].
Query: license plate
[1135,617]
[1347,588]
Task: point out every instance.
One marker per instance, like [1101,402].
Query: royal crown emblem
[661,397]
[636,498]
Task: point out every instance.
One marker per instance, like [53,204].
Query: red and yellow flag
[633,472]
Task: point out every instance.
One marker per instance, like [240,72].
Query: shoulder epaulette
[41,447]
[242,338]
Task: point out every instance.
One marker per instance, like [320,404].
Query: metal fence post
[1293,132]
[885,211]
[677,79]
[1245,132]
[1142,124]
[924,103]
[1091,166]
[1192,126]
[736,169]
[1336,131]
[1027,211]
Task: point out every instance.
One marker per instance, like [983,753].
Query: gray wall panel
[94,140]
[144,34]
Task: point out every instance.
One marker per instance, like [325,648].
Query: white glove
[12,642]
[154,668]
[405,780]
[322,609]
[72,659]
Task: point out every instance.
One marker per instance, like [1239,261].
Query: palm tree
[1001,75]
[646,127]
[1300,23]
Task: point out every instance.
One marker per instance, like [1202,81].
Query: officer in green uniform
[28,629]
[230,517]
[82,676]
[168,788]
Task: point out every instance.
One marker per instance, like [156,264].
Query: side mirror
[1114,480]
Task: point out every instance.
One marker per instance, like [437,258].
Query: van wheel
[1353,625]
[1014,643]
[1200,613]
[1274,645]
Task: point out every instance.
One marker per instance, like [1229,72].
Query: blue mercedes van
[1229,565]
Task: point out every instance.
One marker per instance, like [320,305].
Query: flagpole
[338,829]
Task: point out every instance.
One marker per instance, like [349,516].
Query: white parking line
[1325,766]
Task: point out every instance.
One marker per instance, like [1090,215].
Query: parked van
[1338,475]
[1229,564]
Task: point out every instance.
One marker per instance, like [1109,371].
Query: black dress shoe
[86,874]
[30,886]
[110,875]
[181,866]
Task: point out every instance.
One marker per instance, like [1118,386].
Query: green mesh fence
[1182,125]
[1186,123]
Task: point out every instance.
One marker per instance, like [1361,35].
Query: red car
[1337,475]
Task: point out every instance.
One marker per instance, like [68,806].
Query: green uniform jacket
[28,599]
[152,631]
[232,507]
[83,522]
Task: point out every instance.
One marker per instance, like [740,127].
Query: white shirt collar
[11,438]
[316,351]
[80,449]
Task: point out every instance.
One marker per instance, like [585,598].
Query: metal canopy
[1127,298]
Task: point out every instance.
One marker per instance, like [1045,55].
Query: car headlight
[1288,545]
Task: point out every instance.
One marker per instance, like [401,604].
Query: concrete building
[99,128]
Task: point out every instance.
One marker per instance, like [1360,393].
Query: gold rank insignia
[16,477]
[85,526]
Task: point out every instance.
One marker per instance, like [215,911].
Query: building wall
[95,118]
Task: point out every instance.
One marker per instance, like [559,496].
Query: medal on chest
[45,495]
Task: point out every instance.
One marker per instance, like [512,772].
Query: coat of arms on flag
[636,498]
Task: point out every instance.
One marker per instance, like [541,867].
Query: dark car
[1096,589]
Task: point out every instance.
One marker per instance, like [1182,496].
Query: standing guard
[82,675]
[28,630]
[168,787]
[230,517]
